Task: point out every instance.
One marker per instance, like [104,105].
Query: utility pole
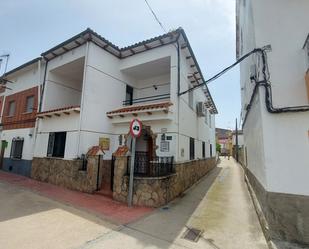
[236,140]
[7,56]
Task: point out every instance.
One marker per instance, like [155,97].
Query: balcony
[148,92]
[145,112]
[63,87]
[152,99]
[59,112]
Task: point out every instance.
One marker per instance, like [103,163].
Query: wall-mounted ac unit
[201,109]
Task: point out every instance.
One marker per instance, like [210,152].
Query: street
[219,206]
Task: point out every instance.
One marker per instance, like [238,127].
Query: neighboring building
[92,90]
[275,111]
[239,147]
[19,103]
[224,140]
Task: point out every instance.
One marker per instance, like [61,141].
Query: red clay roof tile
[60,109]
[134,108]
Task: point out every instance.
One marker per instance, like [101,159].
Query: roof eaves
[86,35]
[22,66]
[171,33]
[197,66]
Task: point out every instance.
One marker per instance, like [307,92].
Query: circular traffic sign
[136,128]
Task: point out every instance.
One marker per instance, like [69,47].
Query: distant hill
[222,133]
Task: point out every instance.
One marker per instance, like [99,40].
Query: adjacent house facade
[90,90]
[19,102]
[275,104]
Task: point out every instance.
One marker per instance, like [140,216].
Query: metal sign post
[135,130]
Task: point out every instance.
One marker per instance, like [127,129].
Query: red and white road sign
[136,128]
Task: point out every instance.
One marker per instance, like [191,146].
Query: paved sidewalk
[220,206]
[105,207]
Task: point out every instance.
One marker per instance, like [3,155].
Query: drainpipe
[39,99]
[82,100]
[43,85]
[178,96]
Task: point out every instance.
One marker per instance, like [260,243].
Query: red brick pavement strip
[105,207]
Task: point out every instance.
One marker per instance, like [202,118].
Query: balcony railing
[146,99]
[145,166]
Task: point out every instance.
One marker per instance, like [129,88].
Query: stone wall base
[66,173]
[158,191]
[286,215]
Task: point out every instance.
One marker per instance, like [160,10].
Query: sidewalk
[219,206]
[104,207]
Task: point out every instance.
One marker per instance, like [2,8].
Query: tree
[218,147]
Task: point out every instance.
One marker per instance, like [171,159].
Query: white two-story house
[91,90]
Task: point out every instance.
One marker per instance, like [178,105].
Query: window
[56,144]
[129,95]
[11,110]
[210,150]
[29,104]
[206,117]
[192,153]
[191,98]
[17,148]
[209,120]
[203,149]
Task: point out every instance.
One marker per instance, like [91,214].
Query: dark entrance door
[106,177]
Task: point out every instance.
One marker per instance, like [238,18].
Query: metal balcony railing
[146,99]
[145,166]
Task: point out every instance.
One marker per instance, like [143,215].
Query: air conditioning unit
[201,109]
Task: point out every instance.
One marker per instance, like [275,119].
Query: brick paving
[102,206]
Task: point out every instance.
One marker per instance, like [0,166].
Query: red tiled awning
[162,106]
[58,111]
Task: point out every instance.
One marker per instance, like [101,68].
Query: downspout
[39,98]
[43,86]
[178,96]
[82,100]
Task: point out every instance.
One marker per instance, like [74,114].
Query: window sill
[15,159]
[25,113]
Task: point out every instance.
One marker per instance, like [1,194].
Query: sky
[31,27]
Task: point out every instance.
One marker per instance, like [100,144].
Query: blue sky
[30,27]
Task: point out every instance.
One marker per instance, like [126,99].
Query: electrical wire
[155,16]
[268,93]
[223,71]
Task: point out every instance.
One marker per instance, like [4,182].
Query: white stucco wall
[61,91]
[23,79]
[67,123]
[28,146]
[278,144]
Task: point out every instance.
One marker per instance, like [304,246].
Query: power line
[218,75]
[155,16]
